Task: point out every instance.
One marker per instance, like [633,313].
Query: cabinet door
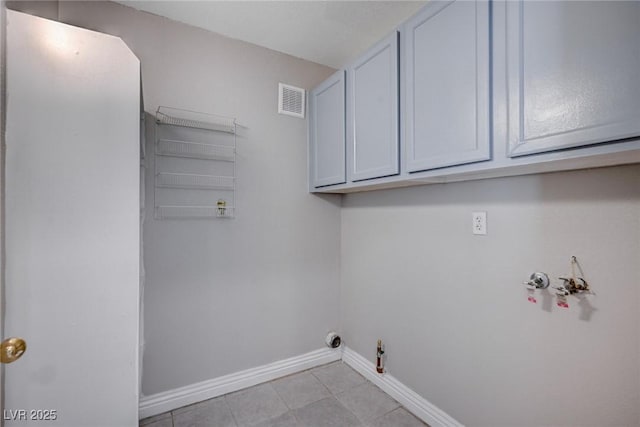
[327,132]
[572,73]
[372,114]
[447,104]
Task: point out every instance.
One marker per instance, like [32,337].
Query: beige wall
[453,313]
[226,295]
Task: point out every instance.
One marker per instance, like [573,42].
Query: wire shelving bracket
[194,167]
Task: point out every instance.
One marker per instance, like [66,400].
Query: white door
[71,226]
[3,37]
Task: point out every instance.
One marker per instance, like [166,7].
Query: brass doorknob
[12,349]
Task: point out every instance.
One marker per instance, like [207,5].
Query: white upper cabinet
[573,74]
[373,140]
[447,85]
[478,89]
[327,132]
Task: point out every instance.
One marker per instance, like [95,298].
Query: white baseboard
[173,399]
[411,400]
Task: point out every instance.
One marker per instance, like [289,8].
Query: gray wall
[47,9]
[453,313]
[227,295]
[224,296]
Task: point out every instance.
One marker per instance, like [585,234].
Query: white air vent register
[291,100]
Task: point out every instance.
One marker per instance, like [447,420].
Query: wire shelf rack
[194,151]
[193,212]
[194,181]
[195,119]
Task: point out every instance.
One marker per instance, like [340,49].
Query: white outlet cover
[480,223]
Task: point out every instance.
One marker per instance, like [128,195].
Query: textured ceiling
[327,32]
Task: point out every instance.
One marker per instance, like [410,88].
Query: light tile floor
[332,395]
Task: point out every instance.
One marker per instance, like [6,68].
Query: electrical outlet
[479,223]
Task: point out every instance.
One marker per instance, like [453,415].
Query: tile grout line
[349,410]
[388,412]
[361,420]
[335,395]
[292,411]
[233,417]
[279,395]
[320,381]
[367,382]
[322,384]
[338,362]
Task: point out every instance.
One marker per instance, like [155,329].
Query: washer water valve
[538,281]
[573,285]
[379,358]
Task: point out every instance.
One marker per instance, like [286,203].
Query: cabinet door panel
[373,113]
[327,132]
[447,70]
[573,73]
